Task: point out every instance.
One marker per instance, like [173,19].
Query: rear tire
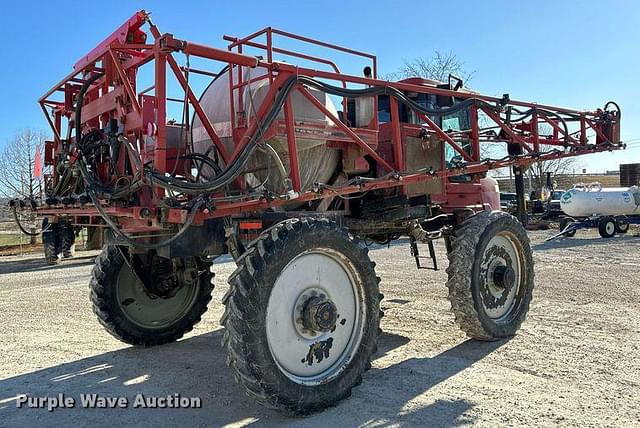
[129,313]
[68,238]
[277,357]
[607,227]
[490,275]
[51,242]
[622,227]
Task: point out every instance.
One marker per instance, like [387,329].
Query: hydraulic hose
[233,170]
[80,102]
[81,141]
[613,103]
[22,229]
[132,242]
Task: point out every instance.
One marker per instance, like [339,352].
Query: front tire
[133,314]
[283,353]
[607,227]
[490,275]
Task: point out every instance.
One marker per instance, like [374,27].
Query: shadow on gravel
[195,367]
[35,265]
[418,375]
[581,242]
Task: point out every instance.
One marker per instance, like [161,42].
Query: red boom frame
[116,95]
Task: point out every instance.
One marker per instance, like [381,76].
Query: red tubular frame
[115,96]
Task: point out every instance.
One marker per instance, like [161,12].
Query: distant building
[630,174]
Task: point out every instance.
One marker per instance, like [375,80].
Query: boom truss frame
[116,95]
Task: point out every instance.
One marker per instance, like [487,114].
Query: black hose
[618,109]
[232,171]
[81,141]
[132,242]
[80,102]
[22,229]
[92,183]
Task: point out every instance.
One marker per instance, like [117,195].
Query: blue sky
[576,54]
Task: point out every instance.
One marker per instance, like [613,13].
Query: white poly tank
[317,161]
[594,200]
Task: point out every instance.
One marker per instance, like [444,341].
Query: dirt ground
[574,363]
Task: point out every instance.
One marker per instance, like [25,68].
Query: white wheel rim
[308,358]
[610,227]
[499,301]
[148,311]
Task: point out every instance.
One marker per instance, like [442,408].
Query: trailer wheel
[490,275]
[622,226]
[302,315]
[51,242]
[564,222]
[132,314]
[607,227]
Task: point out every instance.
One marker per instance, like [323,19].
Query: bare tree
[17,164]
[17,173]
[538,170]
[436,67]
[5,213]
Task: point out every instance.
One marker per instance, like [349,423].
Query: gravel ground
[574,362]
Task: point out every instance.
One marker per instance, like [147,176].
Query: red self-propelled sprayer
[290,169]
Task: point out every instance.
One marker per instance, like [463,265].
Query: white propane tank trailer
[611,210]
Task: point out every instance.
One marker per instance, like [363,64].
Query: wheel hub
[319,314]
[314,316]
[150,301]
[504,276]
[500,274]
[314,313]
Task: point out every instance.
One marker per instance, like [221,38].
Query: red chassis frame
[116,95]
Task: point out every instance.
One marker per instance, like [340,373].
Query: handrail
[238,42]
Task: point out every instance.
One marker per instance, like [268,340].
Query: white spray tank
[595,200]
[317,161]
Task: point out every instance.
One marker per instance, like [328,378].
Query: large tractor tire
[136,315]
[302,315]
[68,238]
[51,242]
[490,275]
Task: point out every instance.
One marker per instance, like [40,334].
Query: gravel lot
[575,361]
